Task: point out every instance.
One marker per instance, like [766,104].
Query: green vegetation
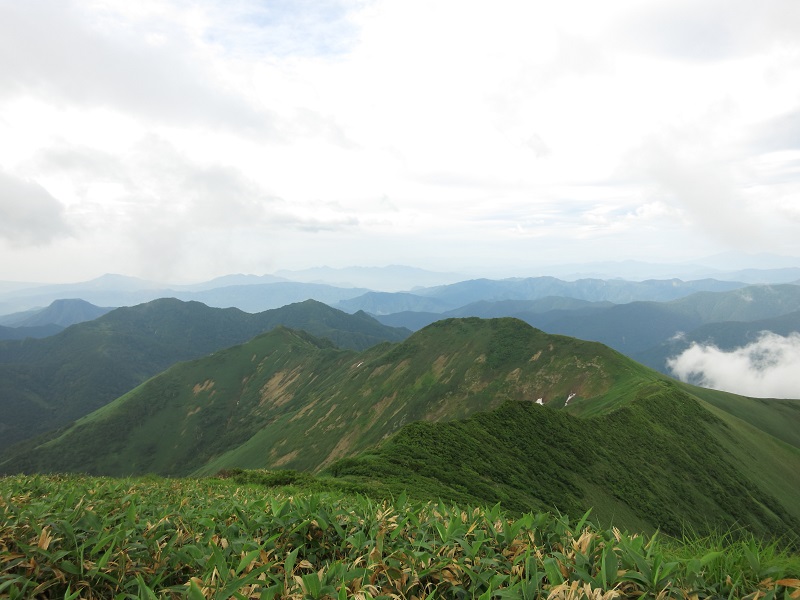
[411,443]
[286,399]
[452,413]
[48,383]
[653,463]
[84,537]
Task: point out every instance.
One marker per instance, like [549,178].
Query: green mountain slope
[452,412]
[291,401]
[662,461]
[777,417]
[50,382]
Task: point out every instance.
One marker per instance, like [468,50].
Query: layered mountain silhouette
[466,409]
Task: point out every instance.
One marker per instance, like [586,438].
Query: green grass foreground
[88,537]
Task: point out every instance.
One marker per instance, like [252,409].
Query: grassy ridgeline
[655,462]
[75,536]
[451,413]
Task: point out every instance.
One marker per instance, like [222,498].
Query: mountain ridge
[288,400]
[52,381]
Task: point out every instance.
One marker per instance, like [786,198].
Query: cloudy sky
[181,140]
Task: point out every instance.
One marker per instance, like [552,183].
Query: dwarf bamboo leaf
[288,565]
[551,568]
[195,593]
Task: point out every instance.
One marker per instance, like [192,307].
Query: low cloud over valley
[766,368]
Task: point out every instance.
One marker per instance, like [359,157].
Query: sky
[179,141]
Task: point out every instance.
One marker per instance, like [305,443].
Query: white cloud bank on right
[766,368]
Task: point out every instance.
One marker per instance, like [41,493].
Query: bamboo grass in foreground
[87,537]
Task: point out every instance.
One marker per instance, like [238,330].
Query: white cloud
[766,368]
[522,133]
[711,30]
[29,214]
[94,58]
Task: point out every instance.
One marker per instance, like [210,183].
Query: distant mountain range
[449,297]
[62,312]
[730,266]
[115,290]
[638,318]
[465,409]
[252,293]
[642,330]
[393,278]
[332,285]
[258,293]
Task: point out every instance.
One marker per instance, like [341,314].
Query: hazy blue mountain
[745,304]
[380,303]
[64,312]
[116,290]
[627,328]
[266,296]
[11,320]
[451,297]
[107,290]
[229,280]
[550,308]
[632,270]
[409,319]
[611,290]
[109,282]
[392,278]
[766,276]
[732,266]
[13,286]
[637,326]
[508,308]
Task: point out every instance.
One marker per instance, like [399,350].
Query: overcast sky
[179,140]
